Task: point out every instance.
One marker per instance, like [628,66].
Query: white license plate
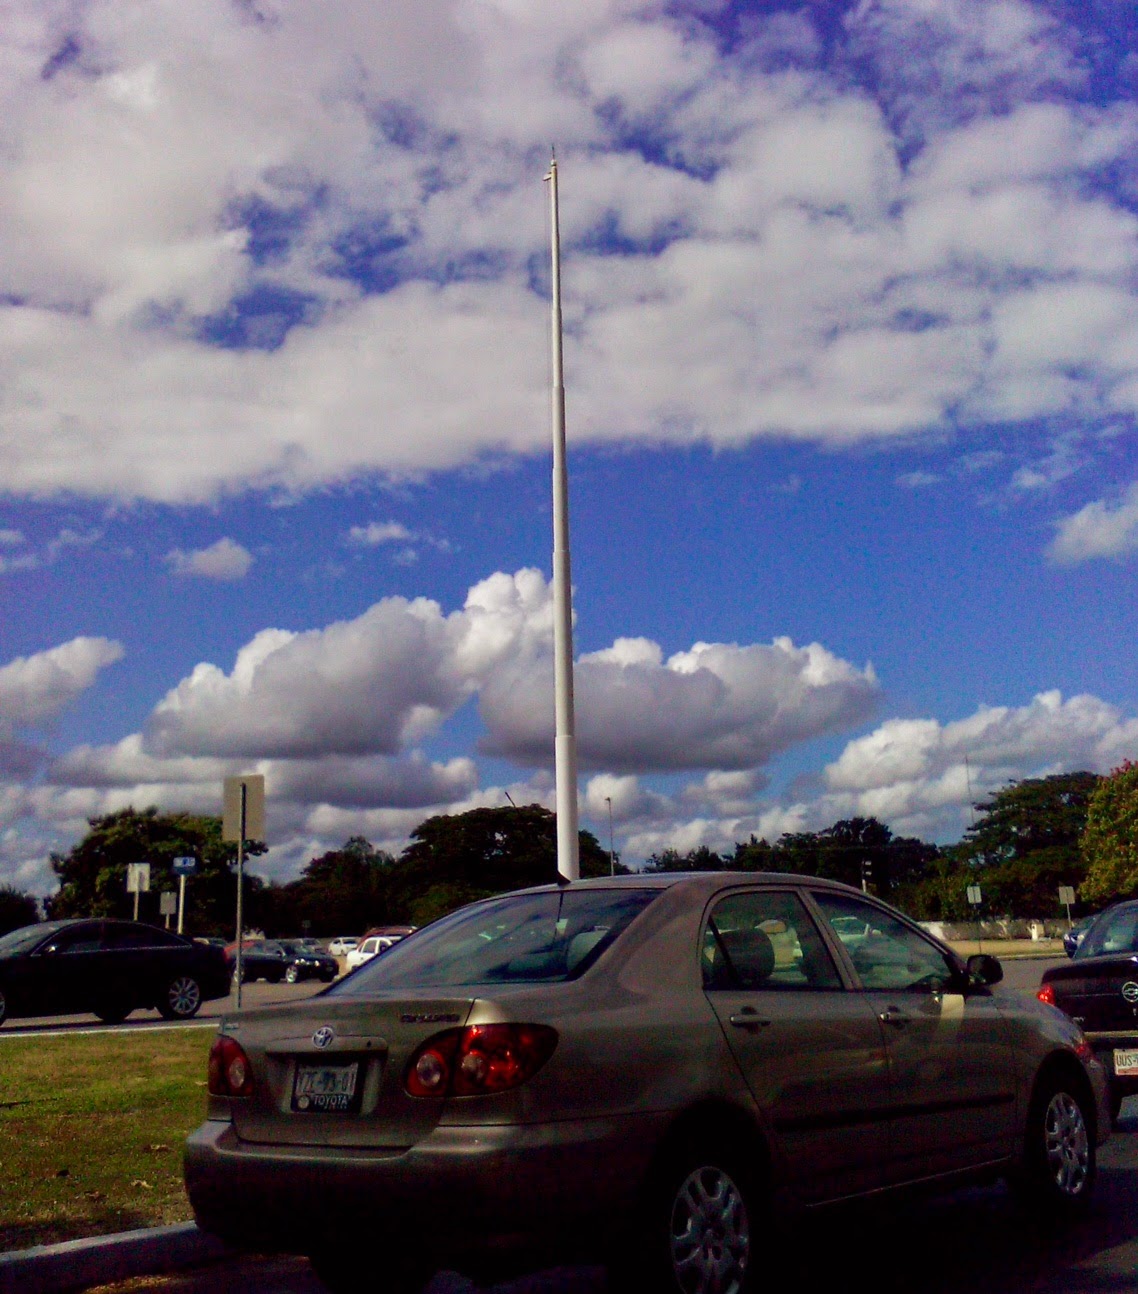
[325,1088]
[1126,1062]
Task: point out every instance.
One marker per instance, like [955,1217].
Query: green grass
[91,1132]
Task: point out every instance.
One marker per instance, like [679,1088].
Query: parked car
[260,959]
[1098,989]
[110,968]
[371,947]
[342,946]
[629,1062]
[395,932]
[1074,937]
[303,962]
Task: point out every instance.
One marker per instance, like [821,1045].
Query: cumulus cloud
[379,532]
[36,689]
[1100,529]
[284,253]
[224,560]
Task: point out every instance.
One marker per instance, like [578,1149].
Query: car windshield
[1115,932]
[524,939]
[19,941]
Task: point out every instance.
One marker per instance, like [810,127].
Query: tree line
[1029,838]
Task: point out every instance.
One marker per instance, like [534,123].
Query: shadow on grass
[50,1231]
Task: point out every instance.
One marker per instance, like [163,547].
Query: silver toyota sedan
[662,1063]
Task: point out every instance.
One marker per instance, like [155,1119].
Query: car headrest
[751,956]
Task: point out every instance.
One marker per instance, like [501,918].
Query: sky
[851,344]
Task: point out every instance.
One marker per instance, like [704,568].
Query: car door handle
[748,1018]
[892,1015]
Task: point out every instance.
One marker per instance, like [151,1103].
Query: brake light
[230,1073]
[479,1060]
[1047,994]
[1084,1050]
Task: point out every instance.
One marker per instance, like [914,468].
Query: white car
[342,946]
[370,948]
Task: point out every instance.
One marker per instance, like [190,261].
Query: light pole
[612,853]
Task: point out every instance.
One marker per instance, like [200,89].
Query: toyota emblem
[324,1035]
[1130,992]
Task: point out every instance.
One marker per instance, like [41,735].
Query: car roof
[708,880]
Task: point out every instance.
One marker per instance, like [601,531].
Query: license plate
[1126,1062]
[323,1089]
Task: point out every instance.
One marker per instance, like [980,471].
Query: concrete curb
[98,1260]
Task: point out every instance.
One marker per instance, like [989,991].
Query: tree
[1026,843]
[92,873]
[16,909]
[1110,842]
[343,890]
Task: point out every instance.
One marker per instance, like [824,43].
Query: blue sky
[852,363]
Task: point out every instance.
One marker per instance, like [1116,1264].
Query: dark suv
[107,967]
[1098,989]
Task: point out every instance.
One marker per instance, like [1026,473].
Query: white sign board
[167,903]
[1067,894]
[974,896]
[137,878]
[254,784]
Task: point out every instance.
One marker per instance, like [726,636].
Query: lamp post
[612,852]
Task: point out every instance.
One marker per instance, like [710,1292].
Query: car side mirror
[984,970]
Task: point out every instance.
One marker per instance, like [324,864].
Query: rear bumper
[459,1189]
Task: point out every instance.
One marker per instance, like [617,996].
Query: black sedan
[1098,989]
[306,962]
[106,967]
[260,959]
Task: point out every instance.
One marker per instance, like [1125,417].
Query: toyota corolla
[667,1058]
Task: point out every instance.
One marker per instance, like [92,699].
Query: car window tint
[523,939]
[886,953]
[1116,932]
[126,937]
[18,941]
[81,939]
[765,939]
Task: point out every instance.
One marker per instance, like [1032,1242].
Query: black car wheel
[3,1007]
[292,975]
[699,1224]
[1059,1164]
[182,998]
[112,1012]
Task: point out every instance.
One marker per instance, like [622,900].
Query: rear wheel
[1059,1165]
[3,1007]
[182,998]
[112,1012]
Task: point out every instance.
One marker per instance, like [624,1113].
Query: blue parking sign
[185,866]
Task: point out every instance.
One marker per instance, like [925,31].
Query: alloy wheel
[184,996]
[710,1234]
[1066,1144]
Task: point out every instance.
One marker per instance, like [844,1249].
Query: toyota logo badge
[1130,992]
[324,1035]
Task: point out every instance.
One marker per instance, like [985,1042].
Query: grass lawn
[91,1132]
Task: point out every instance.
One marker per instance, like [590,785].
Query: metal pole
[240,887]
[136,902]
[612,852]
[181,900]
[565,748]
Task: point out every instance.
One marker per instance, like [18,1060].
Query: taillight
[1047,994]
[230,1073]
[1084,1050]
[479,1060]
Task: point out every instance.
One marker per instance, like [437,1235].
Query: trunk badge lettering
[1130,992]
[323,1036]
[440,1017]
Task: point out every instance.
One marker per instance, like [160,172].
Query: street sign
[167,903]
[185,866]
[1066,895]
[974,896]
[137,878]
[254,784]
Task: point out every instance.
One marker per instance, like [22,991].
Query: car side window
[81,939]
[127,937]
[886,953]
[765,939]
[1115,933]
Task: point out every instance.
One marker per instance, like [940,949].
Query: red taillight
[1084,1050]
[479,1060]
[1047,994]
[230,1073]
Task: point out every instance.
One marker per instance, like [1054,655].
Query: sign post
[183,867]
[137,880]
[243,818]
[976,898]
[1067,897]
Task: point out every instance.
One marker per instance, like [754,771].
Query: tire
[3,1007]
[291,975]
[113,1012]
[1059,1165]
[345,1271]
[699,1226]
[181,999]
[1115,1098]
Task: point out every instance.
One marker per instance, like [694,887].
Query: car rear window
[1115,932]
[523,939]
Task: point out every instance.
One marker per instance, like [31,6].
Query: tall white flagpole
[565,752]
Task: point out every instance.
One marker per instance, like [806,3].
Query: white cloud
[1101,529]
[11,538]
[224,560]
[379,532]
[36,689]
